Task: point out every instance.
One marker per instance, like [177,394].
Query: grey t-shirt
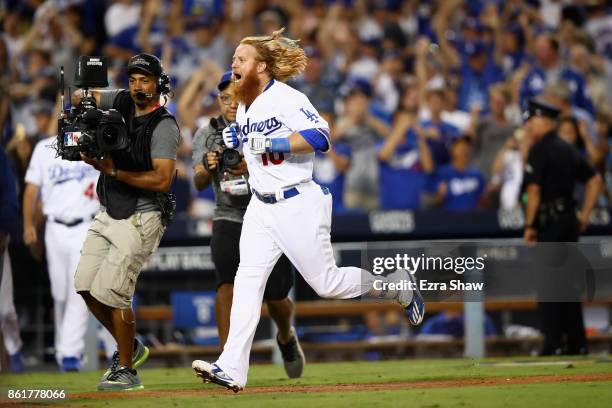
[228,207]
[164,145]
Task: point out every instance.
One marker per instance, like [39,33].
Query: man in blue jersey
[437,132]
[459,185]
[478,73]
[550,70]
[405,161]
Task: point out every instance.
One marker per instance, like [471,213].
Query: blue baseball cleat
[212,373]
[415,310]
[16,363]
[70,364]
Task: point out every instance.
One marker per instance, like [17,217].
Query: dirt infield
[210,391]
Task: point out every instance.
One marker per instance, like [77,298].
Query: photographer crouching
[136,208]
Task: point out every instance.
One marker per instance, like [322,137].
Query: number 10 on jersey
[274,158]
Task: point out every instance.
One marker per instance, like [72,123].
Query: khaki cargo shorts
[113,254]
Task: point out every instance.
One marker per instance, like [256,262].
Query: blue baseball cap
[474,48]
[461,137]
[517,31]
[202,21]
[225,80]
[358,85]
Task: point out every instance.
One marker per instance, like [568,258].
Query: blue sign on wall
[194,312]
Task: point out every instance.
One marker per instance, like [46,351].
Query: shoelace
[115,362]
[118,373]
[115,359]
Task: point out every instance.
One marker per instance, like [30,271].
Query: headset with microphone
[162,87]
[142,95]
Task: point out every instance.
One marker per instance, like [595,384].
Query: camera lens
[231,158]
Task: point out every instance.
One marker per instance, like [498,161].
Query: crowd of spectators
[424,98]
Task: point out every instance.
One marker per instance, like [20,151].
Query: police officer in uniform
[552,170]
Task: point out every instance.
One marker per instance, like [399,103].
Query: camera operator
[135,211]
[213,164]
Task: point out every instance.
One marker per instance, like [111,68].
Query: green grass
[566,394]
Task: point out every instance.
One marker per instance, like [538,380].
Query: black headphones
[163,84]
[163,81]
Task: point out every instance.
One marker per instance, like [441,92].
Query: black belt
[72,223]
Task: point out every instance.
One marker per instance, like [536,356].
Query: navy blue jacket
[9,206]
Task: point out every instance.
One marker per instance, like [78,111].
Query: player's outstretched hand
[231,136]
[257,142]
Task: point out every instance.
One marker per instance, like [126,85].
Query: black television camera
[85,128]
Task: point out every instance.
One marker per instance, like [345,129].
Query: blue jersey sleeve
[318,138]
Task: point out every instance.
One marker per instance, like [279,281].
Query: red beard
[248,88]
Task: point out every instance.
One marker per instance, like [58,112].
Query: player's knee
[323,290]
[326,285]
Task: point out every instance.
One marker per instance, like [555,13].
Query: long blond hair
[283,56]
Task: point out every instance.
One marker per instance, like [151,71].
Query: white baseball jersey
[68,193]
[67,188]
[278,112]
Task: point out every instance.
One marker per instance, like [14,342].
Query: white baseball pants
[63,247]
[9,324]
[299,227]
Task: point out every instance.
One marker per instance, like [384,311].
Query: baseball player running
[69,201]
[279,130]
[232,198]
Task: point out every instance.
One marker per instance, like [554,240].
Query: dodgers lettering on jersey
[464,187]
[67,188]
[278,112]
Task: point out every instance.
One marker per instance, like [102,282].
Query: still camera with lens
[228,159]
